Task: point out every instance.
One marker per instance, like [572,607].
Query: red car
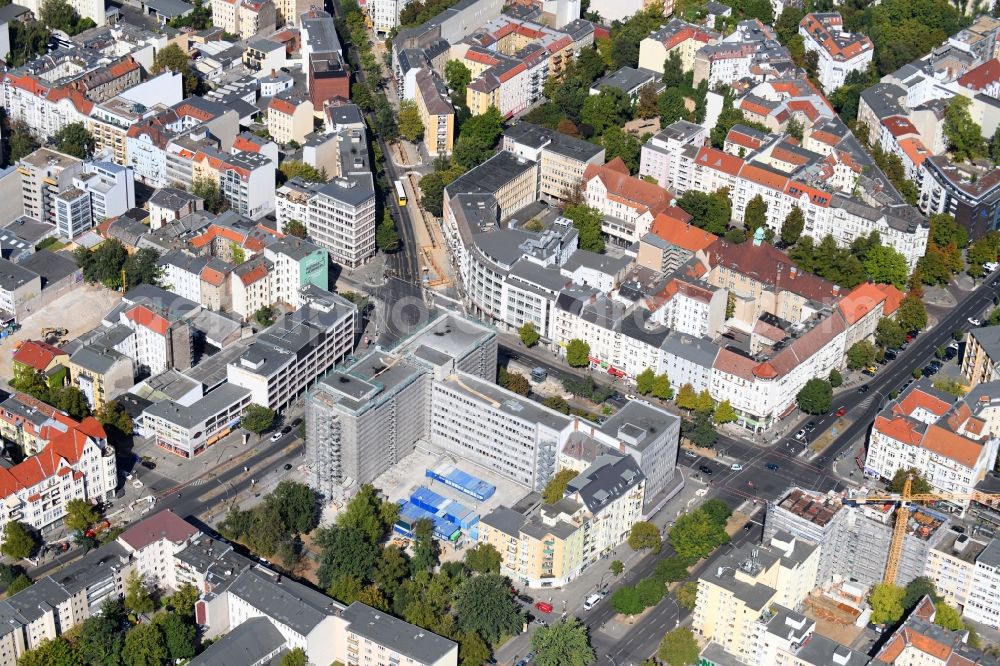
[841,411]
[543,606]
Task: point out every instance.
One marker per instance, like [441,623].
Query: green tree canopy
[172,58]
[918,486]
[411,127]
[307,172]
[297,504]
[529,334]
[679,648]
[484,558]
[861,355]
[257,418]
[792,227]
[457,76]
[912,315]
[645,535]
[887,266]
[886,601]
[889,334]
[563,643]
[80,514]
[965,136]
[587,221]
[73,139]
[145,646]
[137,596]
[627,601]
[487,606]
[609,108]
[815,397]
[19,540]
[694,535]
[578,353]
[755,216]
[556,487]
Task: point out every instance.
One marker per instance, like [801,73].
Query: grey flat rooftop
[491,175]
[50,266]
[246,645]
[210,405]
[14,276]
[93,567]
[402,637]
[285,601]
[375,374]
[627,79]
[700,351]
[29,229]
[508,402]
[96,359]
[652,421]
[988,338]
[169,384]
[450,334]
[212,371]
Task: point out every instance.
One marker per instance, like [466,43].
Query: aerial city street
[462,332]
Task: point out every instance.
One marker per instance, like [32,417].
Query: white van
[591,601]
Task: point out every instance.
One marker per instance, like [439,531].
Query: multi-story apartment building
[734,594]
[660,156]
[840,52]
[389,395]
[827,211]
[44,174]
[854,541]
[289,355]
[76,463]
[295,263]
[436,113]
[561,159]
[102,373]
[981,358]
[162,340]
[322,55]
[340,215]
[925,429]
[189,430]
[677,36]
[556,543]
[170,204]
[289,118]
[628,204]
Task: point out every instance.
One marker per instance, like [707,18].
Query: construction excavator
[53,335]
[902,518]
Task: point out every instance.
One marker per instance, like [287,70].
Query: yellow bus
[400,193]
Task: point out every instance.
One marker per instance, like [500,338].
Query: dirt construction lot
[78,311]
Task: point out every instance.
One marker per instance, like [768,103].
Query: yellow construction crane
[904,499]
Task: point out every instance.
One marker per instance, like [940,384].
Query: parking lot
[78,311]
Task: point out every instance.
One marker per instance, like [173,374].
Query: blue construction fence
[463,482]
[450,518]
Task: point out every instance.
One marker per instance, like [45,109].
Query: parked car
[276,436]
[809,427]
[801,434]
[950,353]
[287,429]
[690,454]
[543,606]
[975,322]
[774,467]
[864,388]
[526,599]
[592,601]
[929,370]
[841,411]
[705,469]
[736,467]
[991,266]
[288,466]
[891,354]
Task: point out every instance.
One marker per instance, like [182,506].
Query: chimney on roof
[836,289]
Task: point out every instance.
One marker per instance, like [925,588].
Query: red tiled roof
[633,192]
[681,234]
[282,105]
[163,525]
[893,297]
[981,77]
[865,298]
[720,161]
[899,126]
[143,316]
[37,354]
[917,399]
